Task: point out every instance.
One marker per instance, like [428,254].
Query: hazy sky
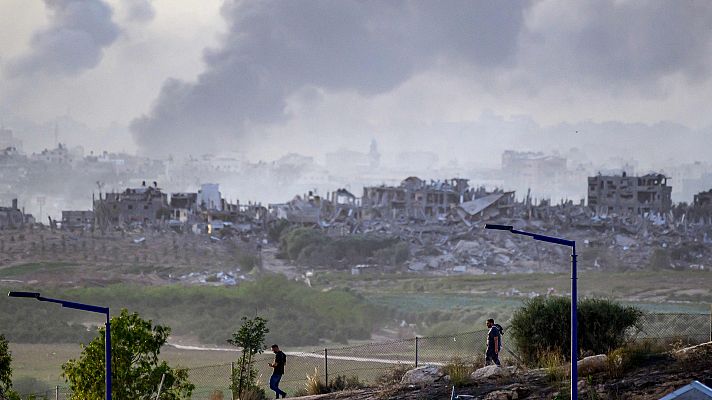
[463,78]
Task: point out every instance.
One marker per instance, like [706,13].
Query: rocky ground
[651,379]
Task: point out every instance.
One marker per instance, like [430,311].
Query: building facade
[629,195]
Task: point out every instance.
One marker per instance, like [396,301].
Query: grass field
[466,299]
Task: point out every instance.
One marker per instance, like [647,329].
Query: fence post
[232,380]
[56,392]
[326,366]
[416,352]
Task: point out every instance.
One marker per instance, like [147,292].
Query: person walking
[494,343]
[280,359]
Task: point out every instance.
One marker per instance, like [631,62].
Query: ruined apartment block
[144,205]
[415,198]
[629,195]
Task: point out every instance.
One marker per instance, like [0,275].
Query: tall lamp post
[574,321]
[83,307]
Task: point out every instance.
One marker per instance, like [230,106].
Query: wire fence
[371,361]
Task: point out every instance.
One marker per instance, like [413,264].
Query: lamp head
[32,295]
[499,227]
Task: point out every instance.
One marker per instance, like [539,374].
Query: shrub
[459,371]
[554,365]
[631,355]
[343,382]
[543,324]
[314,385]
[312,247]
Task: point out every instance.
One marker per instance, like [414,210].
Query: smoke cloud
[74,41]
[273,50]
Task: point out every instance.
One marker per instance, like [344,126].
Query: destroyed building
[703,199]
[143,205]
[77,219]
[491,205]
[12,217]
[415,198]
[629,195]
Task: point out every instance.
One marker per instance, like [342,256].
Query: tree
[251,339]
[136,371]
[5,368]
[543,324]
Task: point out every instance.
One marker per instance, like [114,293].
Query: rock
[426,374]
[465,248]
[499,395]
[592,365]
[491,372]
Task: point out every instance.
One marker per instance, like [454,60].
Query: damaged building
[143,205]
[13,218]
[415,198]
[77,219]
[629,195]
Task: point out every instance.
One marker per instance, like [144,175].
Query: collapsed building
[629,195]
[77,219]
[14,218]
[415,198]
[143,205]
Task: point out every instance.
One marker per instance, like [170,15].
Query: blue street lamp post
[574,319]
[83,307]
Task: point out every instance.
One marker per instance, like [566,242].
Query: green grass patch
[30,268]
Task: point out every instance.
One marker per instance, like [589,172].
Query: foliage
[343,382]
[312,247]
[554,364]
[459,371]
[203,312]
[314,385]
[392,375]
[136,371]
[250,338]
[543,324]
[631,355]
[5,367]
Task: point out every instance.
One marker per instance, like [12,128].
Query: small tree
[136,371]
[5,368]
[543,325]
[250,338]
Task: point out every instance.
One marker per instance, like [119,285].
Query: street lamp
[84,307]
[574,321]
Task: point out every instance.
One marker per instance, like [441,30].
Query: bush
[631,355]
[312,247]
[543,324]
[314,385]
[459,371]
[343,382]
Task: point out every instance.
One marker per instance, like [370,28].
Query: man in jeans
[494,343]
[278,365]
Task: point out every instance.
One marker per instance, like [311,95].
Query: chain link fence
[370,361]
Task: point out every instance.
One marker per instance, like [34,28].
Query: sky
[464,79]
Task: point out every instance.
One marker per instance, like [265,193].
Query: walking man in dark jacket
[280,359]
[494,343]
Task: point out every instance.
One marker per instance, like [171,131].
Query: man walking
[278,370]
[494,343]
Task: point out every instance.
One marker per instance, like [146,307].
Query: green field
[429,305]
